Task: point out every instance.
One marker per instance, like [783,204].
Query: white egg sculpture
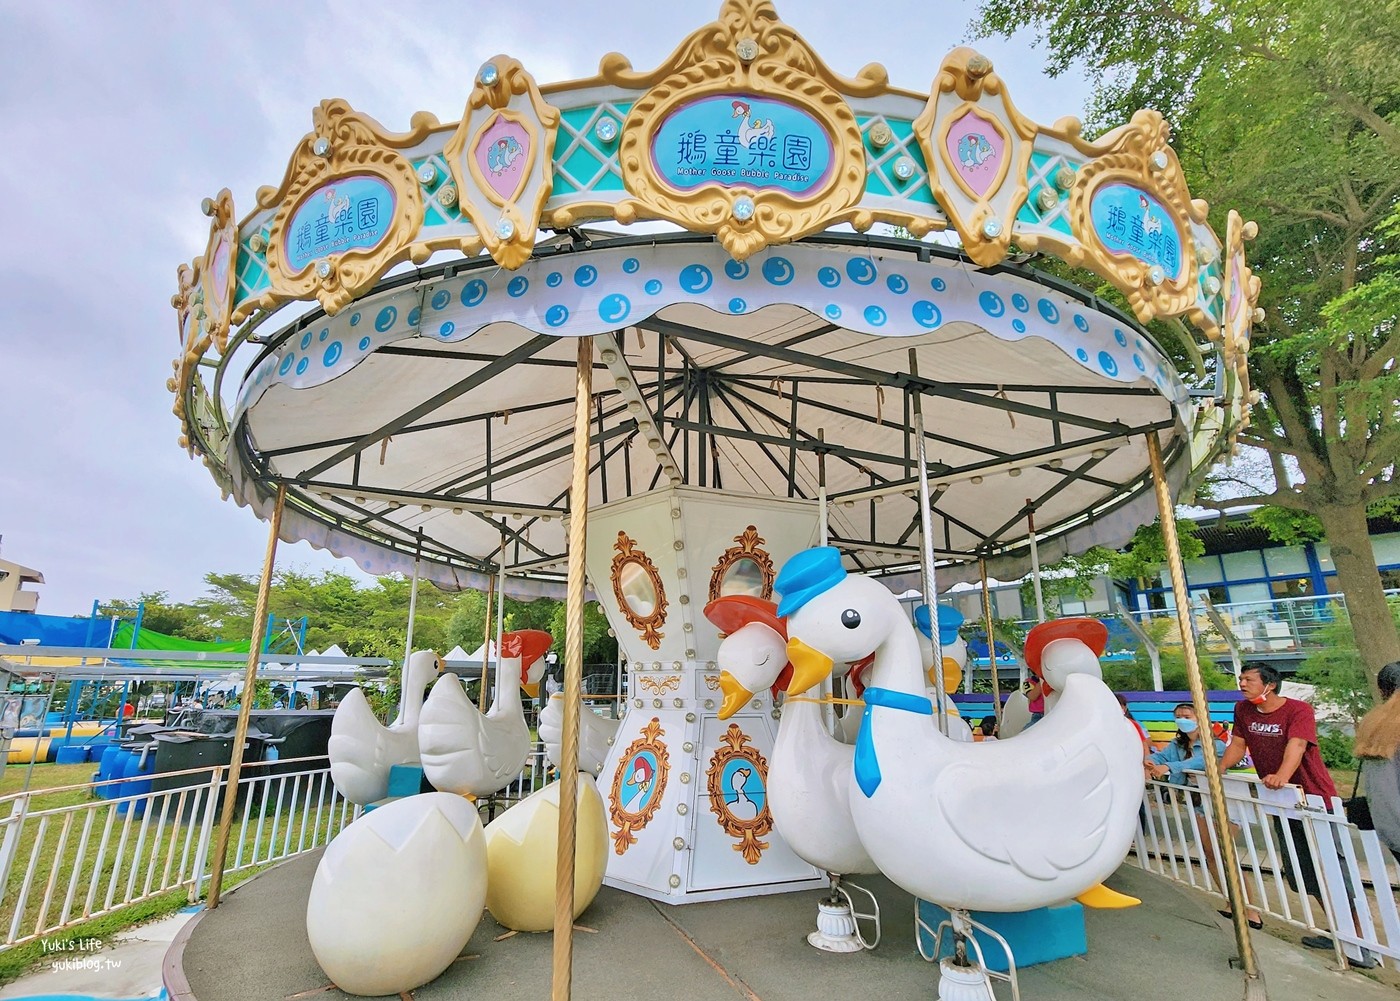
[397,894]
[522,849]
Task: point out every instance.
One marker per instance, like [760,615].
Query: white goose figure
[468,753]
[1018,824]
[595,734]
[362,749]
[808,784]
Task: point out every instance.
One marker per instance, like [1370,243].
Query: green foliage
[1289,111]
[1146,553]
[599,646]
[1286,525]
[1336,667]
[1136,675]
[1336,748]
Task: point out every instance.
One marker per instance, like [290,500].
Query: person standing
[1280,734]
[1378,747]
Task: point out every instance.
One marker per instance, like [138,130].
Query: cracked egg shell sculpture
[754,348]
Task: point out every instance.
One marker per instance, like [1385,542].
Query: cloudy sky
[119,117]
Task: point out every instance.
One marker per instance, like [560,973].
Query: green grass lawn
[146,867]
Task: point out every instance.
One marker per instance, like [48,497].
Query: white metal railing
[65,863]
[1275,832]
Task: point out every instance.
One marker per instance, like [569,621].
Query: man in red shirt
[1280,734]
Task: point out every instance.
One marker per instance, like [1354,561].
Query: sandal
[1257,925]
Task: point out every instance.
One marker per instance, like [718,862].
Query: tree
[1288,110]
[1143,557]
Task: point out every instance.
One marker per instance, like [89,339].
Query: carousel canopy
[762,350]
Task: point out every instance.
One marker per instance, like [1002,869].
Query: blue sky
[119,118]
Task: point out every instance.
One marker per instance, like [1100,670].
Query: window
[1290,561]
[1218,595]
[1293,587]
[1390,579]
[1243,566]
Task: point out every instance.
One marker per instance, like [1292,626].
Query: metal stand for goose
[686,793]
[959,978]
[838,921]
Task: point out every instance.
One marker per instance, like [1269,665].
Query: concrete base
[254,946]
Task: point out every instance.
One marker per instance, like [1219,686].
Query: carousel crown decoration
[743,132]
[501,157]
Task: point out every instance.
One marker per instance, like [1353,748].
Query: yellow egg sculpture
[522,846]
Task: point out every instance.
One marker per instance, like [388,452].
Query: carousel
[740,348]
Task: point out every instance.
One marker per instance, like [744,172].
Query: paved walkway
[255,946]
[128,967]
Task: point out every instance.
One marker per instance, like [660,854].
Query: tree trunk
[1360,582]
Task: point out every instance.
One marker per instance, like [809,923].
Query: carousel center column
[686,792]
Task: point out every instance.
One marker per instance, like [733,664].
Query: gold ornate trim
[985,231]
[220,276]
[1241,292]
[648,625]
[748,830]
[649,749]
[776,64]
[188,301]
[750,547]
[1140,159]
[660,686]
[712,681]
[344,144]
[510,236]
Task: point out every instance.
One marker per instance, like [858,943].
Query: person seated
[987,728]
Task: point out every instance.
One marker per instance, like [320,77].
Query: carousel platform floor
[254,946]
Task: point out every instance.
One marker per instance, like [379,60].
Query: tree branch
[1279,498]
[1331,218]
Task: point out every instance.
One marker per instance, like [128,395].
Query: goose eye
[850,618]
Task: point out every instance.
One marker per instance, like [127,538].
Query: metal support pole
[501,614]
[562,988]
[928,575]
[245,704]
[823,538]
[991,636]
[1233,885]
[486,641]
[412,604]
[1035,563]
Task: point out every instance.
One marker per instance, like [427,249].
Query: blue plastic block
[405,780]
[1038,936]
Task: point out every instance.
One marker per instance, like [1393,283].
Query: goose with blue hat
[1018,824]
[952,650]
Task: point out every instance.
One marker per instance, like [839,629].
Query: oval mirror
[744,576]
[638,589]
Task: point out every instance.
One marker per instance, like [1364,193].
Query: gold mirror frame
[748,832]
[627,821]
[649,626]
[749,548]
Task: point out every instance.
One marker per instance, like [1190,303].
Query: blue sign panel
[350,213]
[739,140]
[1130,221]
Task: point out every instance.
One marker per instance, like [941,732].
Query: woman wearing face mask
[1186,753]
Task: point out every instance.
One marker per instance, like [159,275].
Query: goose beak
[809,666]
[532,688]
[735,695]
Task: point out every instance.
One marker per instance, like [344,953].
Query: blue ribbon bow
[866,763]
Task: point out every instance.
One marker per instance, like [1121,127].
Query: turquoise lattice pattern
[440,195]
[1212,302]
[1044,176]
[252,267]
[583,163]
[880,178]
